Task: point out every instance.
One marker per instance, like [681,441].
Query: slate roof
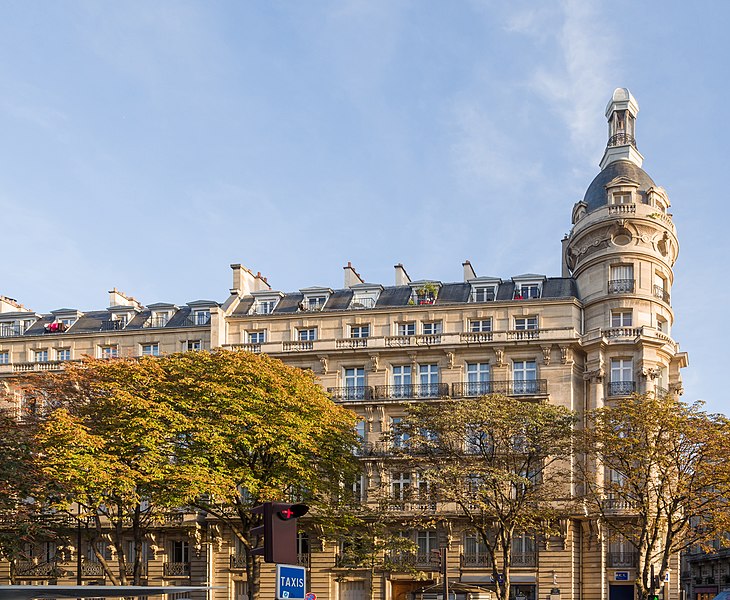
[596,193]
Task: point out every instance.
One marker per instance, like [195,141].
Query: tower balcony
[621,286]
[621,388]
[621,139]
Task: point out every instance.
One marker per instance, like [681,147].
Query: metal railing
[92,569]
[475,560]
[621,388]
[661,293]
[156,322]
[176,569]
[45,570]
[361,303]
[11,330]
[129,569]
[621,139]
[112,325]
[412,390]
[621,286]
[469,389]
[523,559]
[359,392]
[626,559]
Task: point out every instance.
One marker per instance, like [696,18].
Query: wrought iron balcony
[661,293]
[470,560]
[621,139]
[621,286]
[42,570]
[470,389]
[129,569]
[360,392]
[176,569]
[621,388]
[92,569]
[421,560]
[116,325]
[625,559]
[238,561]
[523,559]
[412,390]
[156,322]
[196,320]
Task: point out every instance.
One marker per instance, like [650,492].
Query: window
[402,382]
[193,345]
[622,376]
[621,198]
[524,291]
[150,349]
[523,550]
[660,287]
[358,488]
[398,437]
[180,552]
[4,357]
[621,318]
[40,356]
[159,318]
[429,380]
[359,331]
[475,550]
[662,324]
[427,542]
[121,319]
[477,379]
[109,351]
[201,317]
[307,335]
[256,337]
[63,354]
[524,375]
[434,328]
[406,329]
[525,323]
[476,326]
[485,293]
[354,383]
[314,302]
[67,321]
[360,430]
[400,483]
[264,306]
[621,279]
[360,301]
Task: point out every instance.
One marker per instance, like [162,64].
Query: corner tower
[621,251]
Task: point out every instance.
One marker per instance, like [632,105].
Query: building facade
[599,331]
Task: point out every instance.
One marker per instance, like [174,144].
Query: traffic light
[279,530]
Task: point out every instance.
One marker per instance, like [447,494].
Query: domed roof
[596,194]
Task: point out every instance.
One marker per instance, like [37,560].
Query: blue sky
[148,145]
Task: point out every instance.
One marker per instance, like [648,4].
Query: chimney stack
[352,277]
[117,298]
[469,272]
[401,277]
[245,282]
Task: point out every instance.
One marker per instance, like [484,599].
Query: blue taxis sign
[290,582]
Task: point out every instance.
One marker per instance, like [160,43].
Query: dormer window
[483,293]
[201,317]
[424,292]
[621,198]
[264,304]
[365,295]
[314,299]
[528,287]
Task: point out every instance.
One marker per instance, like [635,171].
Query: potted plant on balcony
[427,293]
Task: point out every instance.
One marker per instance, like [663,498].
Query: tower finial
[621,113]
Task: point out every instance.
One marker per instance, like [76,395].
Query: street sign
[290,582]
[622,575]
[310,596]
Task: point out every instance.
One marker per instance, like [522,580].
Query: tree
[105,436]
[256,430]
[502,462]
[665,482]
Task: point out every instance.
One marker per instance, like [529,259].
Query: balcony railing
[428,339]
[621,388]
[523,559]
[523,334]
[469,389]
[92,569]
[661,293]
[351,343]
[625,559]
[621,286]
[238,561]
[43,570]
[475,560]
[627,332]
[50,365]
[617,504]
[156,322]
[361,303]
[412,390]
[360,392]
[196,321]
[129,569]
[11,330]
[176,569]
[621,139]
[412,559]
[621,209]
[112,325]
[476,337]
[298,346]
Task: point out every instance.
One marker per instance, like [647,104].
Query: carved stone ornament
[369,418]
[596,376]
[546,350]
[323,361]
[369,470]
[450,357]
[499,356]
[650,373]
[374,362]
[381,417]
[196,538]
[566,355]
